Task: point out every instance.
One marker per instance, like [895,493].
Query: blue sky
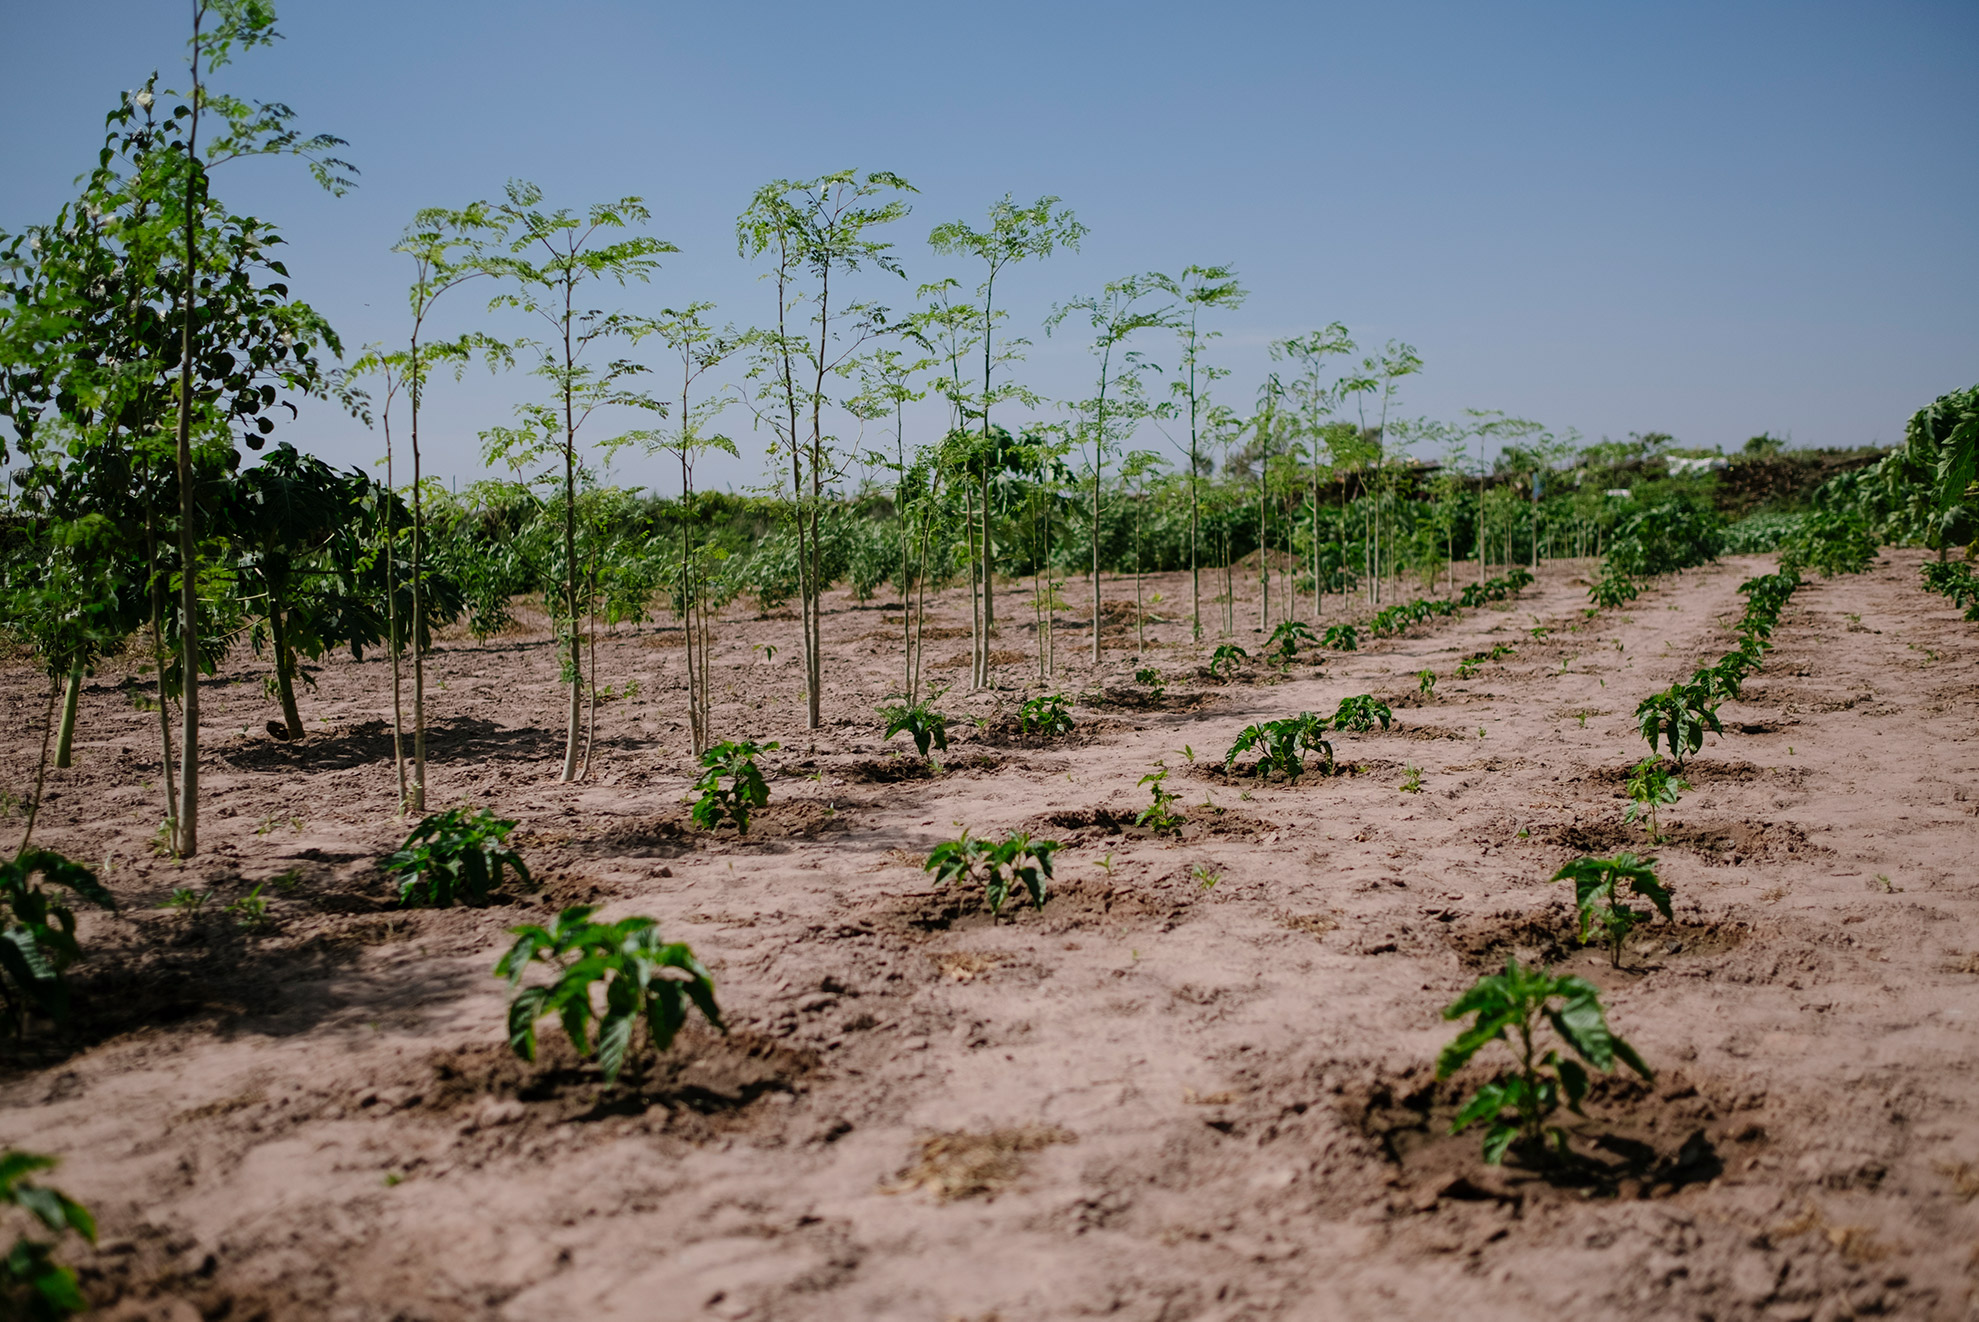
[1707,219]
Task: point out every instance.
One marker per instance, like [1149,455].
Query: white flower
[143,99]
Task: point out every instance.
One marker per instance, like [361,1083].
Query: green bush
[455,857]
[746,791]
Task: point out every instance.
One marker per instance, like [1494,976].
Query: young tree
[549,258]
[887,379]
[699,349]
[1119,403]
[1197,290]
[1311,399]
[815,230]
[1014,234]
[1379,376]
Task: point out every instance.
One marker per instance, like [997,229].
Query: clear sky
[1711,219]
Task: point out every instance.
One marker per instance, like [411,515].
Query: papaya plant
[1283,743]
[734,761]
[38,933]
[1513,1007]
[455,856]
[33,1286]
[919,721]
[1651,785]
[1223,661]
[1288,638]
[644,981]
[1341,638]
[1002,867]
[1359,714]
[1678,718]
[1598,897]
[1045,715]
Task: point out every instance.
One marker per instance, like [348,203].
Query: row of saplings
[608,979]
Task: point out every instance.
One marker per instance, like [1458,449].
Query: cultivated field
[1198,1084]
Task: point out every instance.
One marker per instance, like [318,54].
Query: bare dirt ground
[1196,1086]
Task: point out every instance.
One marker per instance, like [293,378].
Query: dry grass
[965,1165]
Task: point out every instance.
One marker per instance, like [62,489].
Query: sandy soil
[1160,1098]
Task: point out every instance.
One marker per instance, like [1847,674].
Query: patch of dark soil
[1177,700]
[672,834]
[1551,937]
[893,770]
[1724,843]
[368,743]
[705,1074]
[1077,904]
[1638,1140]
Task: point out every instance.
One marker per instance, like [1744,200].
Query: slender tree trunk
[574,726]
[71,695]
[187,841]
[278,629]
[159,661]
[41,767]
[415,626]
[393,638]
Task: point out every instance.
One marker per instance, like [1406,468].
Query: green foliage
[250,911]
[1411,779]
[455,857]
[1150,678]
[1283,743]
[33,1286]
[1046,715]
[1341,638]
[1359,713]
[1666,537]
[1678,718]
[1512,1007]
[1394,619]
[920,721]
[1832,542]
[1496,589]
[734,761]
[645,980]
[1017,860]
[185,900]
[38,934]
[1651,786]
[1223,661]
[1952,579]
[1287,639]
[1598,886]
[1614,588]
[1159,816]
[1426,682]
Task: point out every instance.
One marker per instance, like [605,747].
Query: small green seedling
[1159,816]
[1045,715]
[1597,895]
[919,721]
[1223,661]
[38,934]
[455,857]
[32,1284]
[1651,786]
[1150,678]
[1288,638]
[746,792]
[1204,877]
[250,910]
[1341,638]
[1283,743]
[1411,779]
[185,900]
[1359,713]
[645,980]
[1426,682]
[1511,1007]
[1017,860]
[1678,717]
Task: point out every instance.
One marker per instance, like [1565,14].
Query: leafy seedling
[1411,780]
[1341,638]
[1159,816]
[1204,876]
[455,857]
[919,721]
[1150,678]
[1426,682]
[1017,860]
[32,1284]
[1047,716]
[38,933]
[1223,661]
[1598,886]
[1359,713]
[185,900]
[1678,717]
[250,910]
[1283,744]
[1288,638]
[1651,786]
[1512,1007]
[644,981]
[746,791]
